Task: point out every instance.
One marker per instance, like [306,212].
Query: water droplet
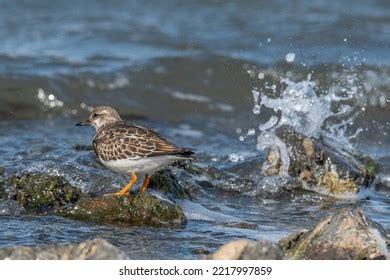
[290,57]
[251,131]
[256,109]
[233,157]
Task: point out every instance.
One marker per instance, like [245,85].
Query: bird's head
[101,116]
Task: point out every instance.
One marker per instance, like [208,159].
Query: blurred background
[194,70]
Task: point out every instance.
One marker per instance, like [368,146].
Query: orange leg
[145,184]
[126,189]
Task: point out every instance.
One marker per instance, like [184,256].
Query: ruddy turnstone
[131,149]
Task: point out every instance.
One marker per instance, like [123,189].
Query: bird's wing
[129,141]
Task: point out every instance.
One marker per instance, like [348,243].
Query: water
[219,82]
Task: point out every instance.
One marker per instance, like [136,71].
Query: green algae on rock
[128,210]
[42,192]
[371,167]
[96,249]
[345,235]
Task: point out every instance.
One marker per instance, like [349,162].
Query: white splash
[298,105]
[234,157]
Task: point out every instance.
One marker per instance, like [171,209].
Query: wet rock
[244,249]
[2,170]
[272,165]
[169,185]
[345,235]
[96,249]
[243,225]
[40,192]
[129,210]
[200,251]
[319,166]
[3,193]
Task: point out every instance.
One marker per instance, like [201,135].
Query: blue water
[186,69]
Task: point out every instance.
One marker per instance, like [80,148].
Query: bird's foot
[126,189]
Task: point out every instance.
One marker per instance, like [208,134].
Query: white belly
[141,166]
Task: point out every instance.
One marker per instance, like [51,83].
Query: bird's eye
[94,115]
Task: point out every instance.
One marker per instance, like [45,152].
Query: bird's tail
[185,153]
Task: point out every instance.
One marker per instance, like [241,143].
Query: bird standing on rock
[131,149]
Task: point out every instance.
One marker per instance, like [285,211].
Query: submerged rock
[41,192]
[244,249]
[345,235]
[96,249]
[129,210]
[319,166]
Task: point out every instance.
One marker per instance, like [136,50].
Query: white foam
[196,211]
[299,106]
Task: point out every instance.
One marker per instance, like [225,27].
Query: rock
[96,249]
[200,251]
[345,235]
[129,210]
[272,165]
[242,225]
[40,192]
[3,193]
[320,167]
[169,185]
[244,249]
[2,170]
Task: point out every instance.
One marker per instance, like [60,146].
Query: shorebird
[131,149]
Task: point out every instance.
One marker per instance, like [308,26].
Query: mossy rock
[321,167]
[371,167]
[128,210]
[169,185]
[344,235]
[41,193]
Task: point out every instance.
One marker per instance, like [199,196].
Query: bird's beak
[84,123]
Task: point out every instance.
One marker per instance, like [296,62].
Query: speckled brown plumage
[130,149]
[120,140]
